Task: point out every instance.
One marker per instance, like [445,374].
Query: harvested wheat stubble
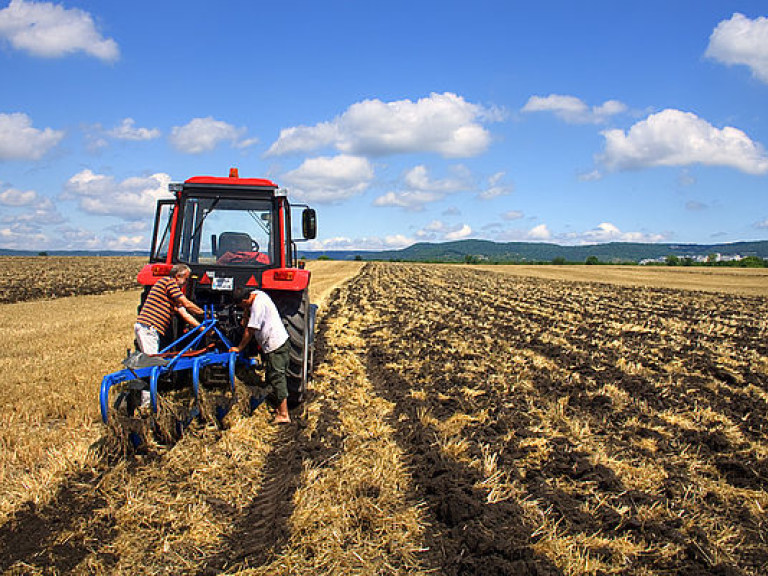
[53,357]
[461,422]
[742,281]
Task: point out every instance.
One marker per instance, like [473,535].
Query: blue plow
[167,362]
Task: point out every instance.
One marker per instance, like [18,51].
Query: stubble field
[462,421]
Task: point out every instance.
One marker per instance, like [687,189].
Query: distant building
[715,257]
[646,261]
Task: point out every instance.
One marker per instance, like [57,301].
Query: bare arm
[191,306]
[188,318]
[247,337]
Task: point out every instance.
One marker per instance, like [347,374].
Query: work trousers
[276,365]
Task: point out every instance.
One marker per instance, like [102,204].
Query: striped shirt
[161,303]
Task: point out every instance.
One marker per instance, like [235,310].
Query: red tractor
[232,232]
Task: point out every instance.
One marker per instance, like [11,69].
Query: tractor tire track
[262,530]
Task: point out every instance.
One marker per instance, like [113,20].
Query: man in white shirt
[263,323]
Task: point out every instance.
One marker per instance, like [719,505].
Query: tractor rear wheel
[298,318]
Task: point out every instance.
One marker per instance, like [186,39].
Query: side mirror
[309,223]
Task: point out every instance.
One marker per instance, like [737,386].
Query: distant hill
[542,252]
[484,250]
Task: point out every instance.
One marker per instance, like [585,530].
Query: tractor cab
[232,232]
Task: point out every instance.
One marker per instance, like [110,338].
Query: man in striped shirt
[164,299]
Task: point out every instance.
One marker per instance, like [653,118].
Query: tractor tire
[299,319]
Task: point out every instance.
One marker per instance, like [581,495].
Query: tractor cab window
[227,232]
[162,235]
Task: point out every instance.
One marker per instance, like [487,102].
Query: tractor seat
[234,242]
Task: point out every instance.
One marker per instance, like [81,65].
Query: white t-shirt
[265,320]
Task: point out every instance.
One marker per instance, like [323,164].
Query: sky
[399,122]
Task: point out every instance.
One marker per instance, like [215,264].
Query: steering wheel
[254,245]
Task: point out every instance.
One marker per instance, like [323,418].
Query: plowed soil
[24,278]
[632,422]
[461,422]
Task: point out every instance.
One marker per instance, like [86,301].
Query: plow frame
[179,361]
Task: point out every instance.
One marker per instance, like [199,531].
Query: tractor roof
[223,181]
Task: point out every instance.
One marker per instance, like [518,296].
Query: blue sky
[400,122]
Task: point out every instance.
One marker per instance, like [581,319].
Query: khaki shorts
[147,338]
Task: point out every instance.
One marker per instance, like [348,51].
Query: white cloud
[685,178]
[133,198]
[762,225]
[496,187]
[204,134]
[604,232]
[540,232]
[608,232]
[21,228]
[435,226]
[20,141]
[437,231]
[592,176]
[94,140]
[14,197]
[675,138]
[443,123]
[409,199]
[124,243]
[741,41]
[21,237]
[498,233]
[512,215]
[305,138]
[573,110]
[41,213]
[420,189]
[131,228]
[48,30]
[78,238]
[417,178]
[24,231]
[128,131]
[72,238]
[459,234]
[97,138]
[695,206]
[329,179]
[391,242]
